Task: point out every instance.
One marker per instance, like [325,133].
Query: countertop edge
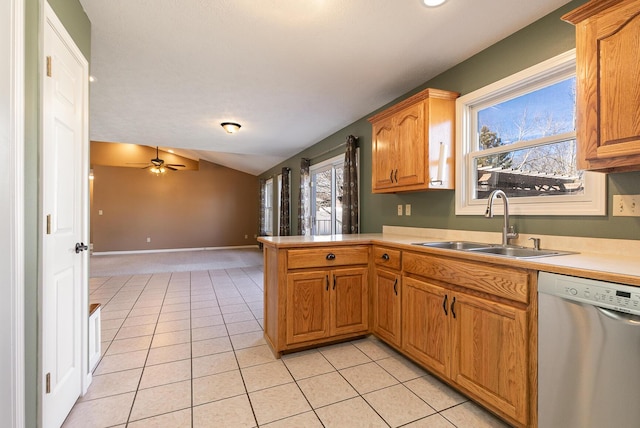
[592,265]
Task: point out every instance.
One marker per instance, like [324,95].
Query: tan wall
[213,207]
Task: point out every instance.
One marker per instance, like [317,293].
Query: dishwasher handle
[629,319]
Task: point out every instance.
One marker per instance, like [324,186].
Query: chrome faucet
[507,232]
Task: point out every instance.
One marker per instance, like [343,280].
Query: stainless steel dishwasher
[588,353]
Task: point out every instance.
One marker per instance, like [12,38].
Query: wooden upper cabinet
[608,88]
[383,161]
[413,144]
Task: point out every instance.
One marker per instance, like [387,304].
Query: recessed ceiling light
[433,3]
[230,127]
[92,79]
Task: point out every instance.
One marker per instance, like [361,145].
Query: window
[279,197]
[326,196]
[268,207]
[518,135]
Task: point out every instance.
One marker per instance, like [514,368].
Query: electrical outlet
[246,236]
[148,239]
[407,209]
[99,212]
[626,205]
[400,209]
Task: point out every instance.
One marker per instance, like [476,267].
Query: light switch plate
[626,205]
[400,209]
[407,209]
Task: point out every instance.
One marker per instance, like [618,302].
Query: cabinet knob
[331,256]
[385,256]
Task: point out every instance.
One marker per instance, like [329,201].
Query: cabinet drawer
[501,281]
[328,256]
[386,257]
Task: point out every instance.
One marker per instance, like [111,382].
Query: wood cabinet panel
[387,297]
[328,257]
[425,324]
[410,153]
[489,355]
[502,281]
[308,306]
[412,144]
[350,301]
[384,145]
[387,257]
[608,94]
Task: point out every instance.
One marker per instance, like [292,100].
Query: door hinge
[49,66]
[48,224]
[48,382]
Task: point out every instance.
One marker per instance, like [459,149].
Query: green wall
[541,40]
[77,23]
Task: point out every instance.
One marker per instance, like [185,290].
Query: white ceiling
[291,72]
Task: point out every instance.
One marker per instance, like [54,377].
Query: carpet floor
[175,261]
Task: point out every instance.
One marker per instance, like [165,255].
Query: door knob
[81,247]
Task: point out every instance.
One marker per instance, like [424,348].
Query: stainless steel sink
[454,245]
[518,252]
[493,249]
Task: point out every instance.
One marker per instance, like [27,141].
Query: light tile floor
[186,349]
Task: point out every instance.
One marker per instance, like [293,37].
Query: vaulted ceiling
[291,72]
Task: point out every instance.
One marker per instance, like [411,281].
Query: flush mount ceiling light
[433,3]
[230,127]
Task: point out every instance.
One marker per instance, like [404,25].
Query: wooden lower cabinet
[326,303]
[477,344]
[489,353]
[425,327]
[387,295]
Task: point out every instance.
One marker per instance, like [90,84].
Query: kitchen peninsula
[468,318]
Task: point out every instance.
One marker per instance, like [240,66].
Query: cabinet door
[386,306]
[383,152]
[425,323]
[410,149]
[307,313]
[350,301]
[608,72]
[489,355]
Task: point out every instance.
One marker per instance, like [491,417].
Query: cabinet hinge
[48,66]
[48,224]
[48,383]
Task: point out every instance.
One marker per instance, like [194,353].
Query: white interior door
[64,269]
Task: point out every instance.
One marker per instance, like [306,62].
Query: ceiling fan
[158,166]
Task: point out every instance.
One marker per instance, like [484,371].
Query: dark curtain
[285,223]
[350,188]
[304,207]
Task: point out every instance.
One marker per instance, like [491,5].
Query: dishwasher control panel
[619,297]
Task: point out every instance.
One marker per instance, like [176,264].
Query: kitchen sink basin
[454,245]
[518,252]
[494,249]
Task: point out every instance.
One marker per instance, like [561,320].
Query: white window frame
[592,202]
[268,207]
[326,164]
[279,204]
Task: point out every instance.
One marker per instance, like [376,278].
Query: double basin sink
[511,251]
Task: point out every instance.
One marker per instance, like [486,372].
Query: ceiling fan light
[230,127]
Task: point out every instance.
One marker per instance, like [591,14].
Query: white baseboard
[170,250]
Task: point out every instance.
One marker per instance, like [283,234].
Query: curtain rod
[330,150]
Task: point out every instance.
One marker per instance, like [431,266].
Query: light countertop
[603,259]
